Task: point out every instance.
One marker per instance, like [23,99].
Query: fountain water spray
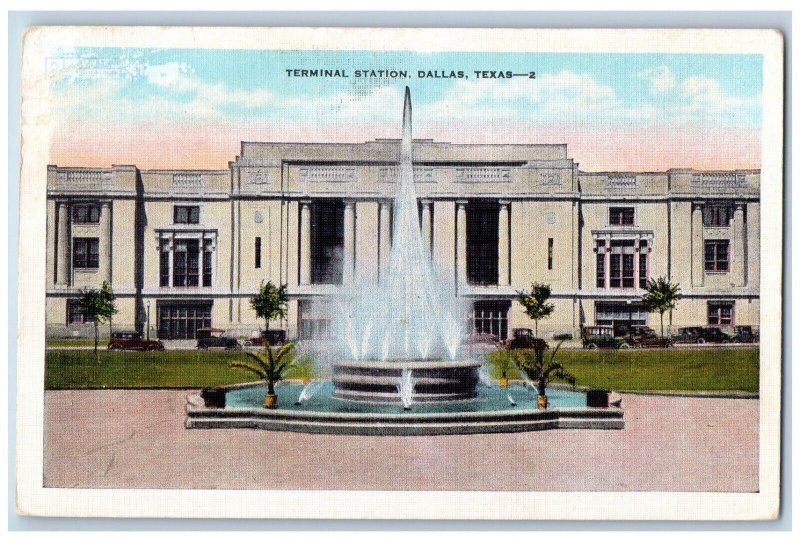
[406,388]
[309,390]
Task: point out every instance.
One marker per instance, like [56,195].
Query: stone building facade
[185,249]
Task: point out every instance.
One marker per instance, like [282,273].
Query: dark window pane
[327,241]
[482,242]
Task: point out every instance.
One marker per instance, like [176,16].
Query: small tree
[535,304]
[270,302]
[542,370]
[270,366]
[98,306]
[662,295]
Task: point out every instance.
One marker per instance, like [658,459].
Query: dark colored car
[645,337]
[601,337]
[215,338]
[523,338]
[276,337]
[701,335]
[132,340]
[744,334]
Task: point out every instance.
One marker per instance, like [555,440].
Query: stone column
[427,231]
[106,242]
[348,261]
[738,253]
[385,238]
[698,250]
[503,240]
[63,249]
[305,242]
[461,241]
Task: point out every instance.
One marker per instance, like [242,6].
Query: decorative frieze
[328,174]
[258,177]
[184,178]
[549,179]
[622,182]
[421,174]
[719,180]
[483,175]
[85,177]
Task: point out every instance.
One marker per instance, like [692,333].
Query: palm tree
[270,302]
[662,295]
[535,304]
[542,370]
[269,366]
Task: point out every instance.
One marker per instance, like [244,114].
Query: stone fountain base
[376,381]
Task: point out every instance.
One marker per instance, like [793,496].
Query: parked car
[701,335]
[215,338]
[276,337]
[601,337]
[744,334]
[132,340]
[645,337]
[523,338]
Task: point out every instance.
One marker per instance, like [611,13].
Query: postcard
[400,273]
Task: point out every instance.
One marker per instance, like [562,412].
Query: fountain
[407,322]
[398,368]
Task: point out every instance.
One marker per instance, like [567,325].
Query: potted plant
[269,366]
[270,304]
[503,363]
[543,370]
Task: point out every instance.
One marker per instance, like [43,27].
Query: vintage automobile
[132,340]
[215,338]
[645,337]
[523,338]
[701,335]
[744,334]
[275,337]
[601,337]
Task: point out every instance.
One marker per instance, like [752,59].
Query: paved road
[136,439]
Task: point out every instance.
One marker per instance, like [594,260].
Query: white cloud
[661,79]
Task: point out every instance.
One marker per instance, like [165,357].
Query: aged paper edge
[34,499]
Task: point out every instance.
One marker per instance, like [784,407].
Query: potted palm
[543,370]
[270,366]
[503,364]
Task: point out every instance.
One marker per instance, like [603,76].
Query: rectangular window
[207,267]
[717,215]
[550,253]
[163,264]
[601,264]
[491,317]
[717,256]
[86,213]
[620,216]
[181,320]
[186,263]
[186,214]
[643,274]
[258,252]
[75,314]
[85,252]
[720,314]
[327,241]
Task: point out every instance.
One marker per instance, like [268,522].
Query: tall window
[75,314]
[601,264]
[643,271]
[327,241]
[186,214]
[163,266]
[720,314]
[483,220]
[717,215]
[258,252]
[86,213]
[207,268]
[186,263]
[621,264]
[717,256]
[85,252]
[550,253]
[620,216]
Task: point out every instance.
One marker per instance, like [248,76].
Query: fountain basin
[376,381]
[489,412]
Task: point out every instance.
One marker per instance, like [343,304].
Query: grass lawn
[710,369]
[77,369]
[75,343]
[672,369]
